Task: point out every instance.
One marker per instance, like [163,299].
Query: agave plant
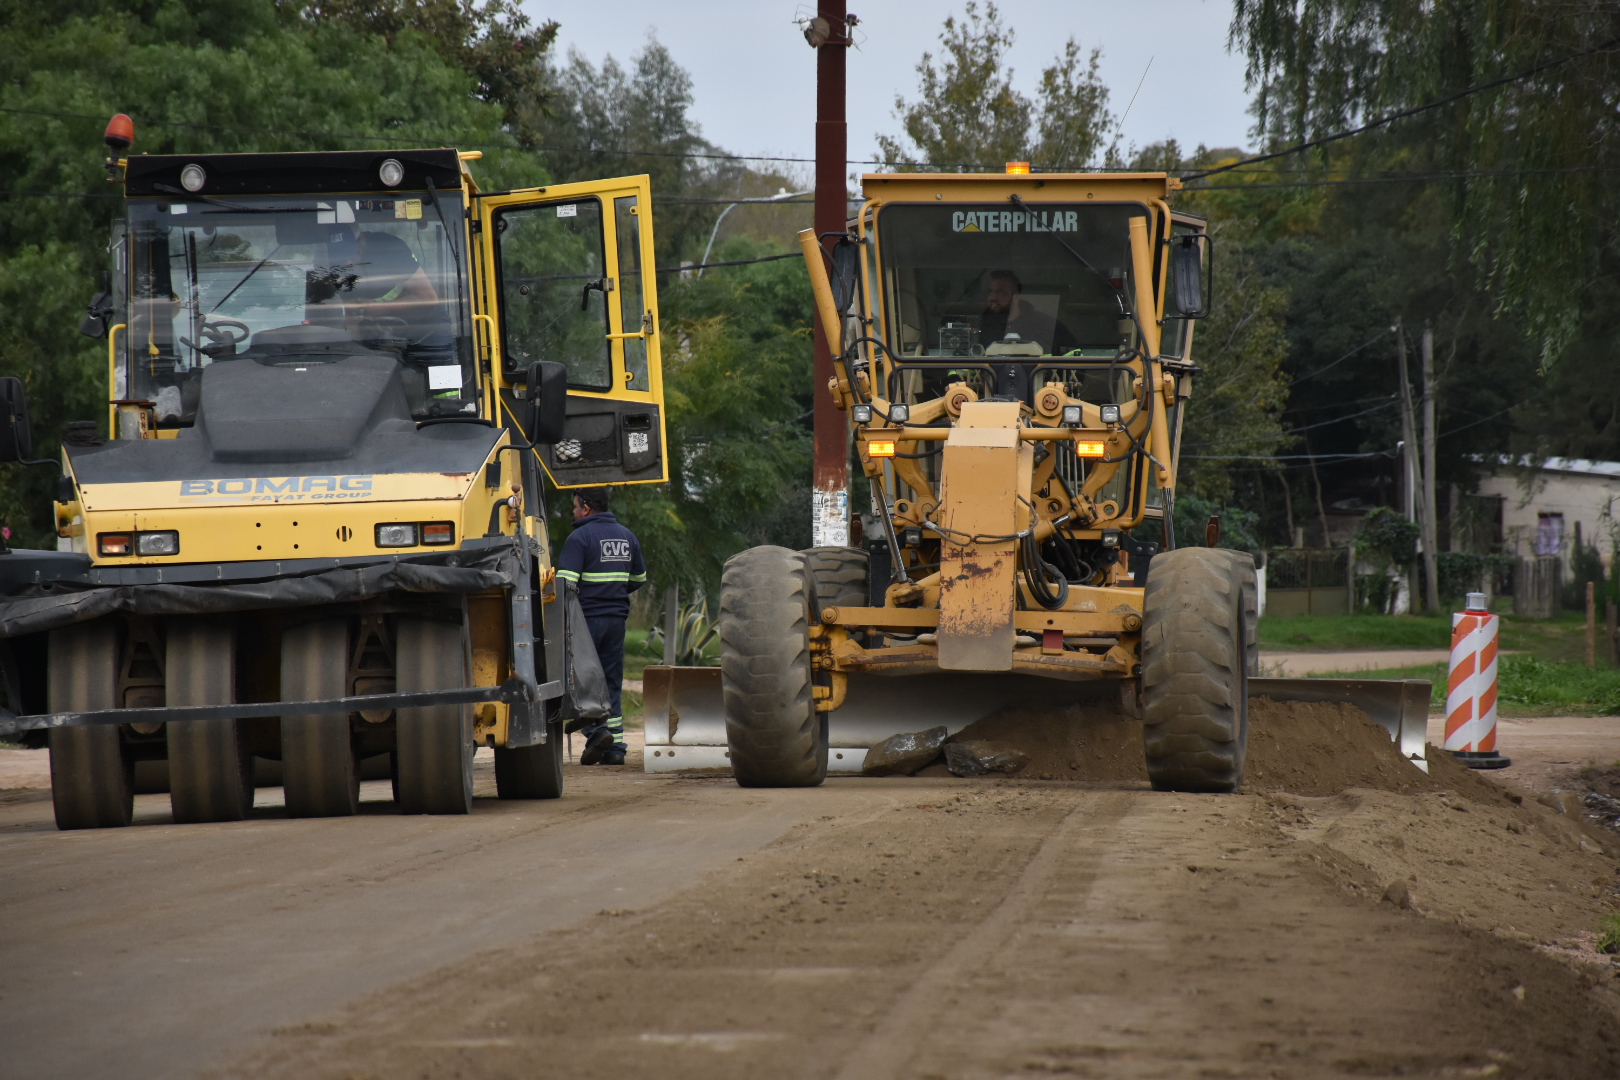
[694,633]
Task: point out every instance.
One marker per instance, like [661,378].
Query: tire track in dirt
[911,1019]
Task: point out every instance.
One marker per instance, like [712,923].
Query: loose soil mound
[1321,748]
[1082,742]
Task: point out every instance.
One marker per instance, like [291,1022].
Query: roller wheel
[840,575]
[1195,670]
[776,737]
[210,764]
[531,772]
[320,774]
[435,753]
[92,771]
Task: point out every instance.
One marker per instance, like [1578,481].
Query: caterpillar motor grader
[1014,354]
[311,531]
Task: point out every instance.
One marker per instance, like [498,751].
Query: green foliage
[1238,526]
[1535,210]
[497,44]
[695,633]
[1609,933]
[1387,539]
[968,117]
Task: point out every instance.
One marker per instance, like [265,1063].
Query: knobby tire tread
[776,737]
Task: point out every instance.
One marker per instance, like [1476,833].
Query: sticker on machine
[444,377]
[568,210]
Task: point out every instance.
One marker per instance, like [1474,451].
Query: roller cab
[335,384]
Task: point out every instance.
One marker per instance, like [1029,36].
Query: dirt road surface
[1348,917]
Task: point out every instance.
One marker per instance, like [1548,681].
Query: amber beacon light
[1018,168]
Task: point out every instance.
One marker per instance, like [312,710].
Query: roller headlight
[157,543]
[192,178]
[1072,416]
[862,414]
[1110,414]
[392,173]
[396,535]
[899,414]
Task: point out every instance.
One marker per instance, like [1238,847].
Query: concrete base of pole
[1475,759]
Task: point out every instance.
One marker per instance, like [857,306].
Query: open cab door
[567,275]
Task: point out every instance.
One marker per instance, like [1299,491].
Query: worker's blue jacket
[603,560]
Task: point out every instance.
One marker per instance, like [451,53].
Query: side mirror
[16,436]
[548,402]
[1187,261]
[98,316]
[846,262]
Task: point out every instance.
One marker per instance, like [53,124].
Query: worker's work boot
[598,741]
[614,755]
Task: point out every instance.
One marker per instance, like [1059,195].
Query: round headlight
[392,173]
[192,177]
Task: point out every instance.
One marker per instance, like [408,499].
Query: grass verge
[1526,686]
[1561,638]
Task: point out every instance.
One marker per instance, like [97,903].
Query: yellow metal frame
[487,292]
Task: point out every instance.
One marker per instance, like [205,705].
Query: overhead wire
[1384,121]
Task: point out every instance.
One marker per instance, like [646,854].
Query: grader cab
[1015,355]
[309,540]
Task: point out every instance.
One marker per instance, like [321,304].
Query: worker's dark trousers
[608,634]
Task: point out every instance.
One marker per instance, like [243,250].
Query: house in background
[1544,511]
[1545,508]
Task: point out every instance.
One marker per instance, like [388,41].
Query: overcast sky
[754,76]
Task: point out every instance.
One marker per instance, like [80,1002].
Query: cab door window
[634,315]
[554,289]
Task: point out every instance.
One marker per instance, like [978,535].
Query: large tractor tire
[1195,670]
[320,775]
[92,770]
[776,737]
[435,752]
[531,772]
[210,764]
[840,575]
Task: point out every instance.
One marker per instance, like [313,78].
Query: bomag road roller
[1014,354]
[310,537]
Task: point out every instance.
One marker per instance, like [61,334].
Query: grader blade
[1400,705]
[686,723]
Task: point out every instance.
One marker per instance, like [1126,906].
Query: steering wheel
[218,332]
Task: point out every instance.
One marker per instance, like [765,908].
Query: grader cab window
[990,279]
[291,280]
[554,290]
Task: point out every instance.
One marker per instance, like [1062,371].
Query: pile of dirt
[1321,748]
[1089,742]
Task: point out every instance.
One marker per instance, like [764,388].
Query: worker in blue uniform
[603,560]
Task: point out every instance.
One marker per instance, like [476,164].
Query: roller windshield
[993,280]
[297,280]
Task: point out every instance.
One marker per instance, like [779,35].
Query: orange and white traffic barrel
[1471,688]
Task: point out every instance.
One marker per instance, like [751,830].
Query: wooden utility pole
[1591,625]
[1409,477]
[1429,530]
[828,34]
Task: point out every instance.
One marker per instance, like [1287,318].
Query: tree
[969,117]
[497,44]
[1530,200]
[609,121]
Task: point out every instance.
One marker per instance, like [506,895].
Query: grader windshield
[992,280]
[294,280]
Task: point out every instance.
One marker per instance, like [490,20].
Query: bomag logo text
[280,488]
